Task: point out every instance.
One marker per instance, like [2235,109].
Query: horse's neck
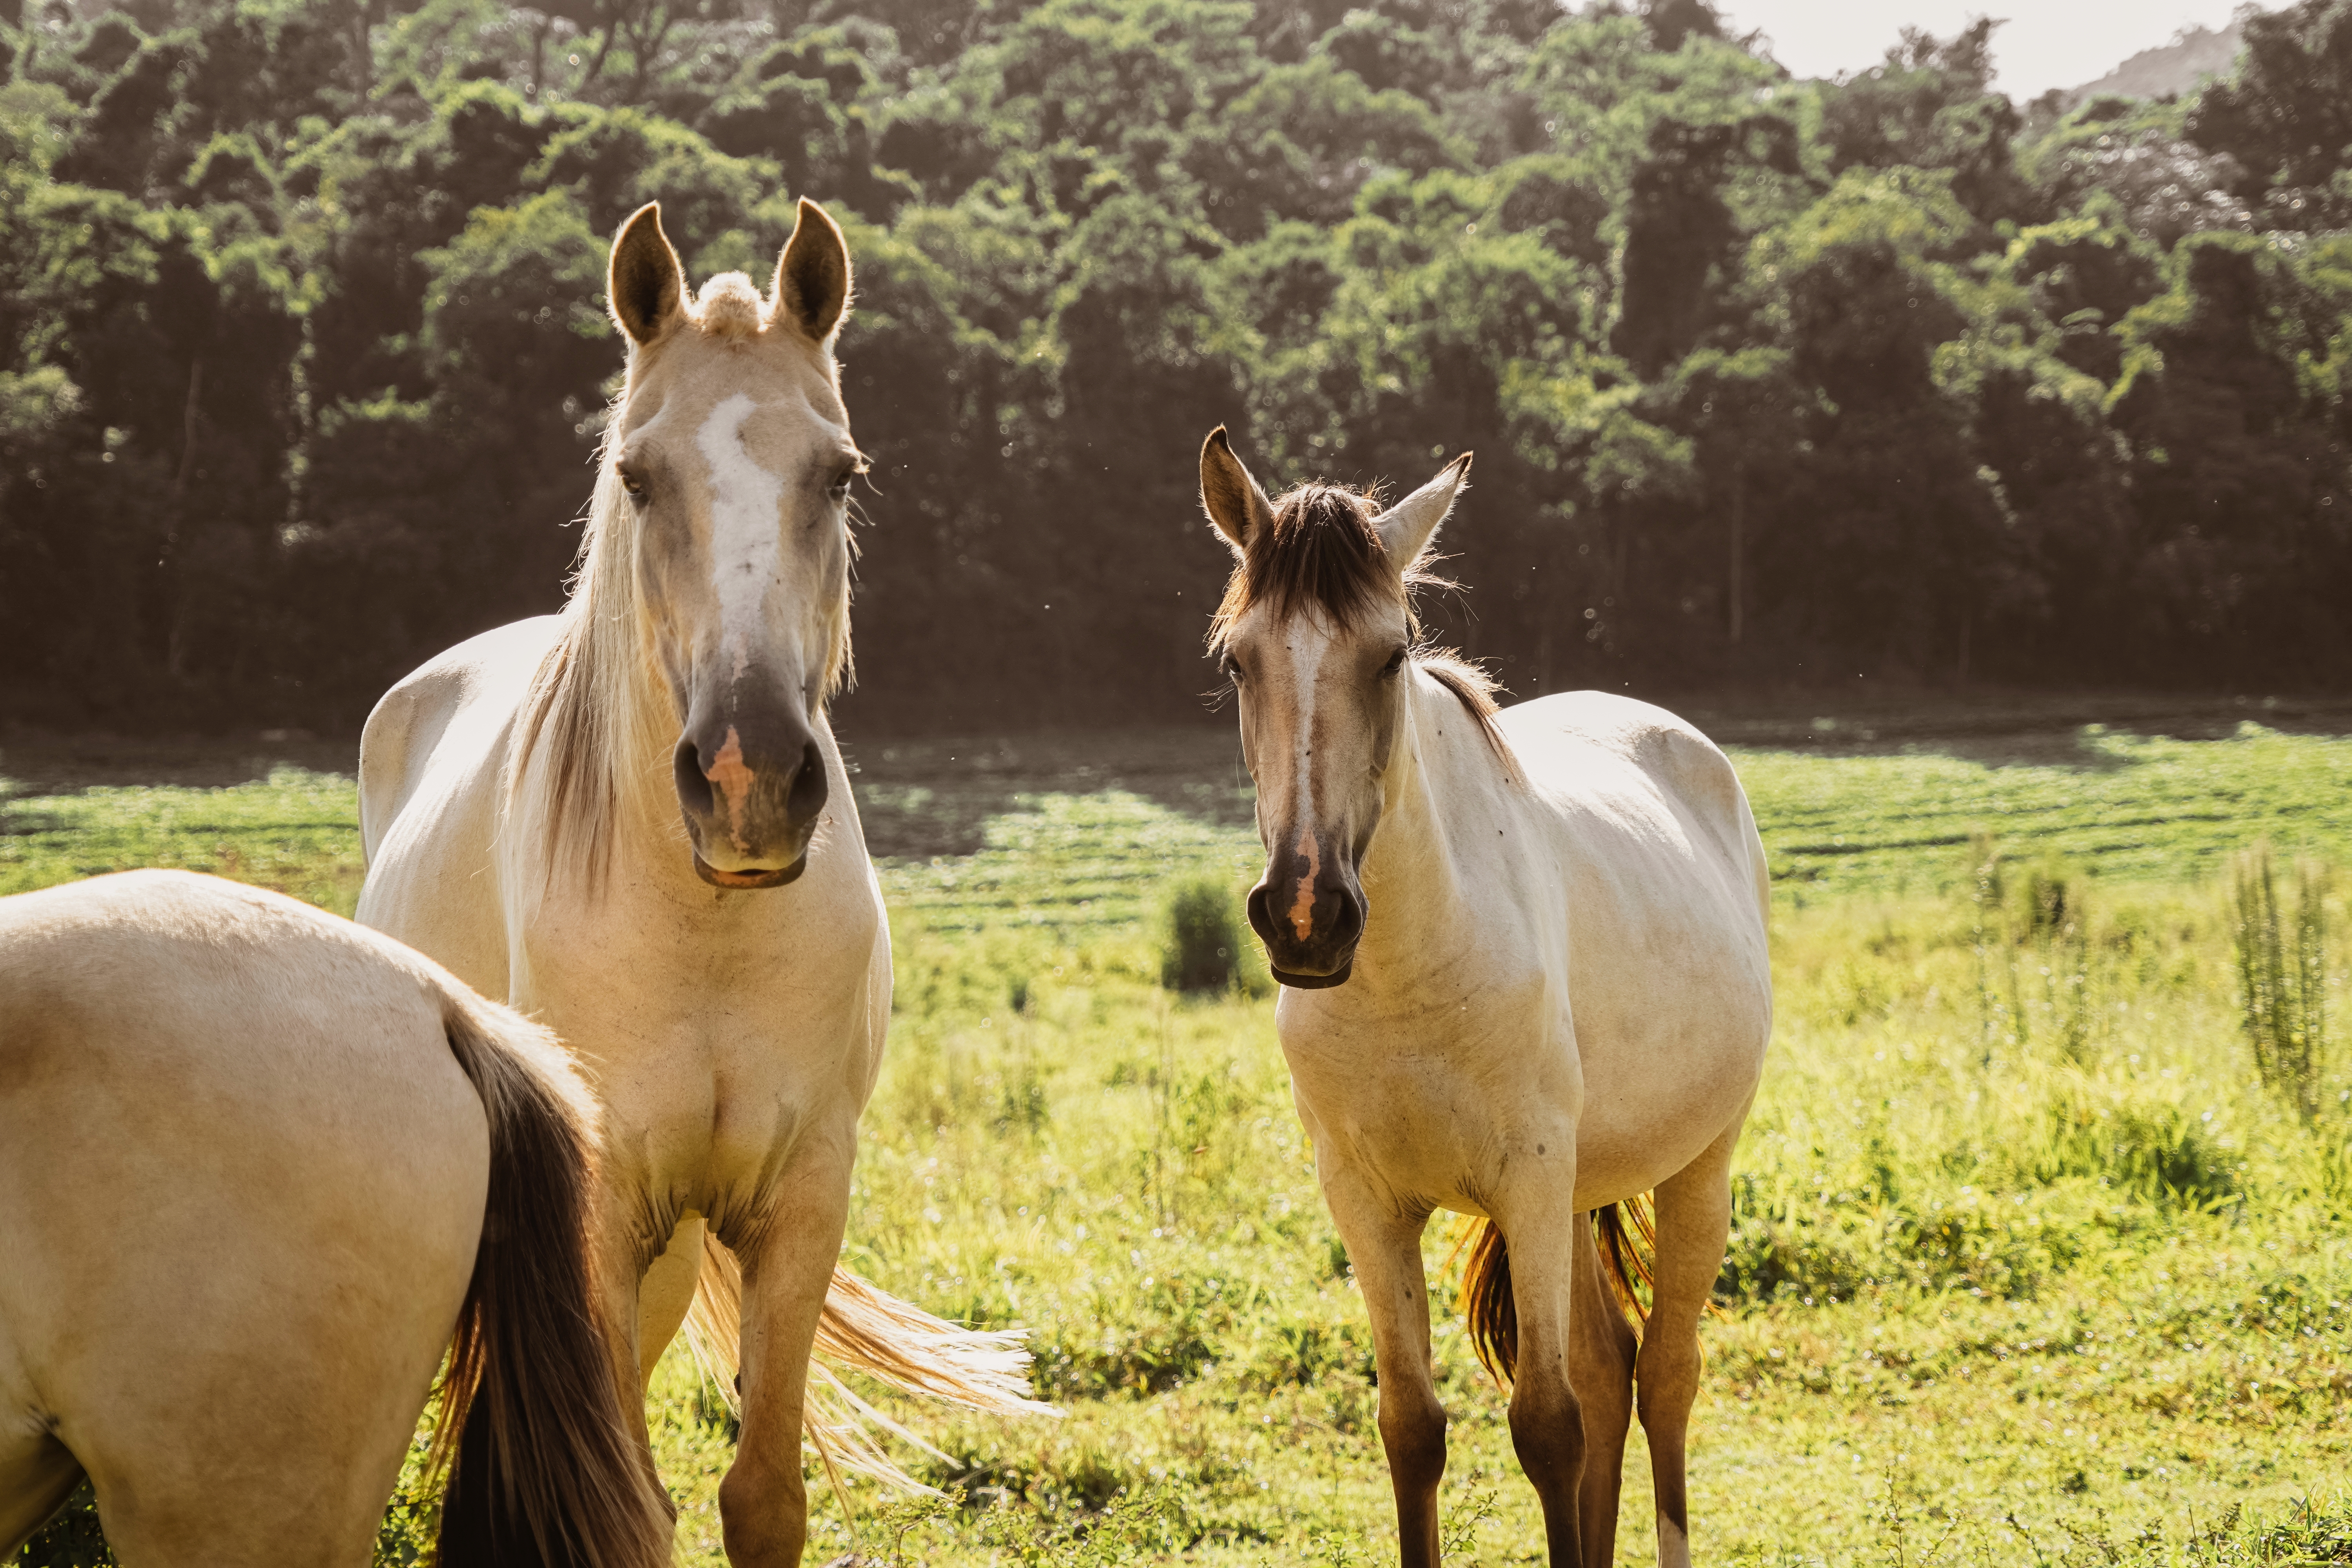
[592,762]
[1440,832]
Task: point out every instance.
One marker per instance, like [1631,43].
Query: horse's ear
[645,284]
[1228,494]
[1406,528]
[812,287]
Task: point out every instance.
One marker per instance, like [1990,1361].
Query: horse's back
[1582,745]
[406,731]
[430,764]
[241,1186]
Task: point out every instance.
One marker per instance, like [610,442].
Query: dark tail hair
[546,1471]
[1493,1315]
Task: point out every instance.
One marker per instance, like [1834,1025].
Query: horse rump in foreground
[260,1168]
[1525,980]
[631,820]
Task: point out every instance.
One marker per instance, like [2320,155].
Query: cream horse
[630,821]
[257,1167]
[1526,980]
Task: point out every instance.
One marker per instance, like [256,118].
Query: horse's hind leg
[1600,1350]
[36,1475]
[1694,1218]
[1547,1412]
[274,1472]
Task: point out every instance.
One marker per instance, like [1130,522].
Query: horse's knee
[1666,1381]
[1412,1431]
[762,1513]
[1548,1430]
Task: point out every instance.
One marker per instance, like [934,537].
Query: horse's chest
[721,1066]
[1439,1099]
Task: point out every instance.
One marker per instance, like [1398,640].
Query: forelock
[1320,554]
[729,307]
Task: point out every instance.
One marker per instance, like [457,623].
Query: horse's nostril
[693,787]
[807,796]
[1348,924]
[1261,914]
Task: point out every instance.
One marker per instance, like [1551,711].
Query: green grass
[2026,1266]
[292,829]
[2123,805]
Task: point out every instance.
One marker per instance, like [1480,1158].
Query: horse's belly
[1665,1076]
[1454,1117]
[1627,1146]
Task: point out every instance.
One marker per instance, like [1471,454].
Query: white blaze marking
[1306,658]
[1302,906]
[746,527]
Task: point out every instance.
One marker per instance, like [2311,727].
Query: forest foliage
[303,357]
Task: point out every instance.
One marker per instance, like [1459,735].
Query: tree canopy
[303,357]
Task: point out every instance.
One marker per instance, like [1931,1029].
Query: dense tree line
[303,358]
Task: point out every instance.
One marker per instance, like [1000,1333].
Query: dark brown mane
[1320,553]
[1474,689]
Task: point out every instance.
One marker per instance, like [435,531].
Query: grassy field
[2028,1266]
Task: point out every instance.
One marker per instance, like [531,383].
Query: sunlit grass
[2123,807]
[295,831]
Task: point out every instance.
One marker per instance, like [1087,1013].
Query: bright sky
[2045,44]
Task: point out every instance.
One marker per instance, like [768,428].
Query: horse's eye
[839,490]
[1232,669]
[635,483]
[1395,663]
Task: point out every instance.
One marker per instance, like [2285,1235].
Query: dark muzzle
[1309,913]
[751,792]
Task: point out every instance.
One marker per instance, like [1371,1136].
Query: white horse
[1539,990]
[258,1167]
[631,820]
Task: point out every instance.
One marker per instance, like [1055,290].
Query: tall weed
[2282,979]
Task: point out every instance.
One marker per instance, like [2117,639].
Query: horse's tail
[1487,1303]
[867,1331]
[1492,1313]
[1625,1262]
[546,1471]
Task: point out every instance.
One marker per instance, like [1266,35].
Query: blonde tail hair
[865,1330]
[1490,1311]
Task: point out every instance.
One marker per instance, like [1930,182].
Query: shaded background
[1773,384]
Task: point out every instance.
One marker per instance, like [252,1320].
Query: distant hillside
[2178,65]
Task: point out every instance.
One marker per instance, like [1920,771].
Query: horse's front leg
[1385,1248]
[621,1252]
[788,1257]
[1538,1220]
